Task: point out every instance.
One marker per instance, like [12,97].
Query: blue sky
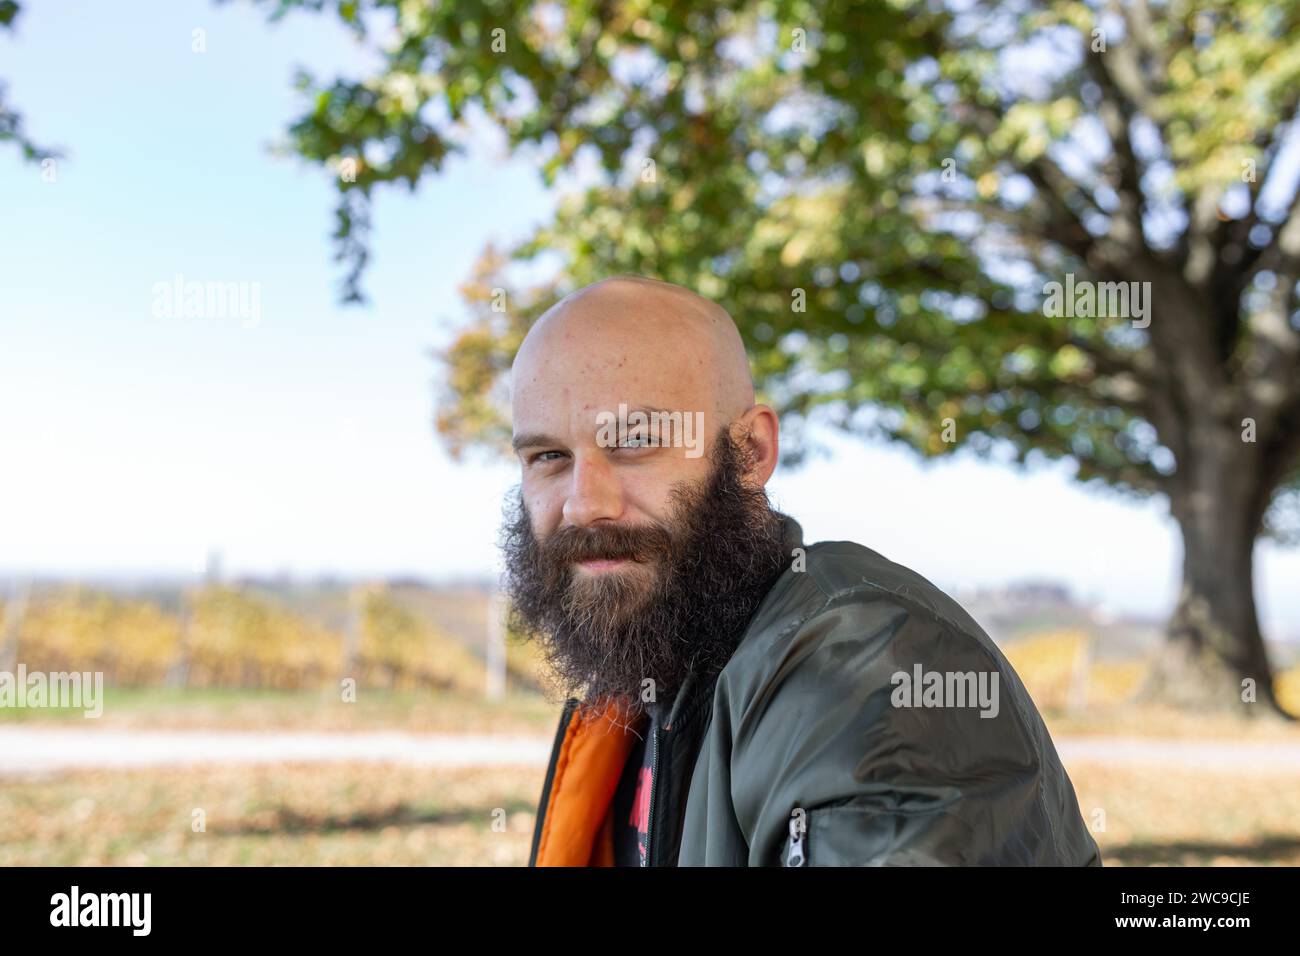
[135,445]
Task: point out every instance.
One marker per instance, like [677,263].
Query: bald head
[638,340]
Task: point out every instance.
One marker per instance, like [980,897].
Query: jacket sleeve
[830,738]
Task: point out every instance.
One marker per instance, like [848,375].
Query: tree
[883,196]
[11,123]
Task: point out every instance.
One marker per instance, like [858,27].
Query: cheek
[544,509]
[650,495]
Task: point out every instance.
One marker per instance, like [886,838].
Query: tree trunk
[1215,659]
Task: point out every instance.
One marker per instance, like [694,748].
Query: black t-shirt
[632,801]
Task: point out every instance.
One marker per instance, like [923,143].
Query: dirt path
[28,750]
[24,750]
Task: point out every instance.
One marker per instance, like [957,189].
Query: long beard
[635,633]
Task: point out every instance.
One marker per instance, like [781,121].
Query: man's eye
[541,456]
[637,440]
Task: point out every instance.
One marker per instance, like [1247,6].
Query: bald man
[737,697]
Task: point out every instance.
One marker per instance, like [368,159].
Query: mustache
[571,543]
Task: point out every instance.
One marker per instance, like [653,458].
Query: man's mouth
[598,565]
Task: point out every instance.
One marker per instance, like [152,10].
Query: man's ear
[757,434]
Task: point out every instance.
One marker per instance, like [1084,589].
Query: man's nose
[595,493]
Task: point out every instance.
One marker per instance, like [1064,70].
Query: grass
[236,710]
[341,815]
[1146,720]
[334,815]
[1164,817]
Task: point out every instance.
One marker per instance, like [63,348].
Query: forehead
[565,377]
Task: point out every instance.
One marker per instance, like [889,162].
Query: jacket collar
[792,533]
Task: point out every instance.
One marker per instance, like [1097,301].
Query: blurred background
[264,264]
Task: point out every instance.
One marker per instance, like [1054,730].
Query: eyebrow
[534,439]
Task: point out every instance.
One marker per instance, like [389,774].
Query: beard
[680,604]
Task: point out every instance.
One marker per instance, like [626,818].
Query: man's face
[608,505]
[568,407]
[627,608]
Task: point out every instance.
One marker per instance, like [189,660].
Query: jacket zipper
[676,727]
[654,774]
[566,715]
[798,849]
